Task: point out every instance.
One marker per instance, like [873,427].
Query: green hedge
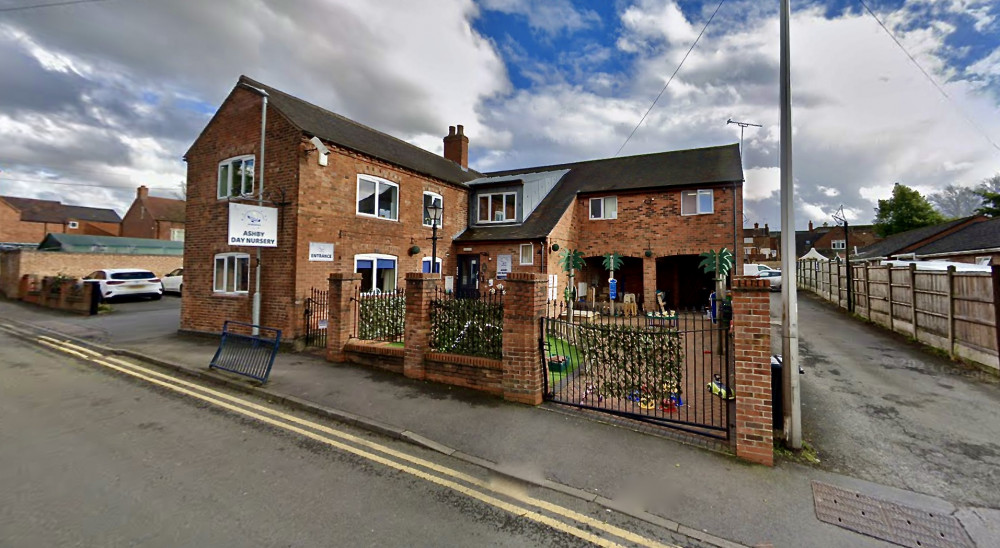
[471,327]
[628,359]
[381,318]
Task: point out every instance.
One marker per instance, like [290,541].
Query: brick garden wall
[752,341]
[17,263]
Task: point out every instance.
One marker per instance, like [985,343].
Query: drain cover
[895,523]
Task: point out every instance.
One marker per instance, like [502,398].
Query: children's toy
[718,388]
[591,389]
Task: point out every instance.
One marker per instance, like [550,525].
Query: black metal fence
[380,316]
[468,323]
[245,353]
[315,317]
[672,368]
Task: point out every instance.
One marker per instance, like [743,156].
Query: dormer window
[500,207]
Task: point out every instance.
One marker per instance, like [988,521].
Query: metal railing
[246,354]
[380,316]
[317,309]
[468,323]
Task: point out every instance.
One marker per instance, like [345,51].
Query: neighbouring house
[339,185]
[905,244]
[28,220]
[976,242]
[760,245]
[832,241]
[154,217]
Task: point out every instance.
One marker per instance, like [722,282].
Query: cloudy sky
[101,96]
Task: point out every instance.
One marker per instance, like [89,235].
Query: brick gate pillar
[523,307]
[340,323]
[752,353]
[420,289]
[649,284]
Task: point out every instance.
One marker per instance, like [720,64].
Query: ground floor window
[378,272]
[232,273]
[425,265]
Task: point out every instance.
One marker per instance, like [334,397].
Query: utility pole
[789,296]
[842,220]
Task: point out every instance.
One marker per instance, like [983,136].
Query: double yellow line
[434,473]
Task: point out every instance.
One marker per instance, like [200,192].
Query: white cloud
[548,16]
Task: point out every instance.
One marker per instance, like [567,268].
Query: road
[96,457]
[882,409]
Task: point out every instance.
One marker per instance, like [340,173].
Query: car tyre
[157,297]
[180,289]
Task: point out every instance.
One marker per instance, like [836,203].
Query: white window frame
[225,271]
[425,220]
[838,244]
[489,206]
[697,201]
[531,254]
[374,257]
[73,225]
[984,260]
[427,260]
[604,208]
[378,183]
[229,180]
[176,234]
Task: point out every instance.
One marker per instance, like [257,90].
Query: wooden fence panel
[932,303]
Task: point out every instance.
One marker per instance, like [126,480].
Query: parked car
[119,282]
[773,277]
[173,281]
[754,269]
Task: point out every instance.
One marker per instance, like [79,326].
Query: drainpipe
[255,314]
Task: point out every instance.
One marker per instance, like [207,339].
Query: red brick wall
[139,223]
[14,230]
[96,229]
[235,131]
[16,263]
[752,352]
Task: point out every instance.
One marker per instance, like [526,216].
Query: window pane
[223,186]
[689,203]
[230,274]
[704,201]
[220,274]
[386,277]
[611,207]
[484,208]
[247,176]
[527,253]
[366,269]
[387,201]
[496,207]
[510,212]
[366,196]
[595,208]
[243,268]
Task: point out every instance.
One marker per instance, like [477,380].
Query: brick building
[154,217]
[760,245]
[334,181]
[28,220]
[974,239]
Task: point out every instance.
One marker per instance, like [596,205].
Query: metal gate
[315,317]
[672,369]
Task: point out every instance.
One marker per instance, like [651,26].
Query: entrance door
[468,274]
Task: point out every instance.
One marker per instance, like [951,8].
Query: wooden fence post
[913,298]
[951,311]
[892,316]
[829,280]
[995,271]
[868,293]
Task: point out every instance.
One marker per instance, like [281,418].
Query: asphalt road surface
[90,456]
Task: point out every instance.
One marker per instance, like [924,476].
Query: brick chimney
[142,192]
[456,146]
[810,226]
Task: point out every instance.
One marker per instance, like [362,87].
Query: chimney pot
[451,130]
[461,129]
[756,226]
[766,230]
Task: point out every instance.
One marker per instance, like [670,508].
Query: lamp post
[434,212]
[255,314]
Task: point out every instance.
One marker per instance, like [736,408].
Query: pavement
[646,476]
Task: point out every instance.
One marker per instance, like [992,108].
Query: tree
[989,191]
[905,210]
[956,201]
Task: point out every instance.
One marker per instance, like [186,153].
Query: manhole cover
[895,523]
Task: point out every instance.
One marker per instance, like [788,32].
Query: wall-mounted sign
[253,225]
[322,252]
[504,263]
[613,288]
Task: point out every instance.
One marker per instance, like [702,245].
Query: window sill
[369,216]
[227,295]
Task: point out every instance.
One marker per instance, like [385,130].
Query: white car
[773,277]
[173,282]
[119,282]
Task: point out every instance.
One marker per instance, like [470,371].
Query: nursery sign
[503,265]
[253,225]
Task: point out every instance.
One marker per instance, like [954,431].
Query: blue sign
[613,288]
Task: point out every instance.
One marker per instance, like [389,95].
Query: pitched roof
[981,235]
[319,122]
[50,211]
[700,166]
[897,243]
[165,209]
[83,243]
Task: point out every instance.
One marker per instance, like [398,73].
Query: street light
[434,211]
